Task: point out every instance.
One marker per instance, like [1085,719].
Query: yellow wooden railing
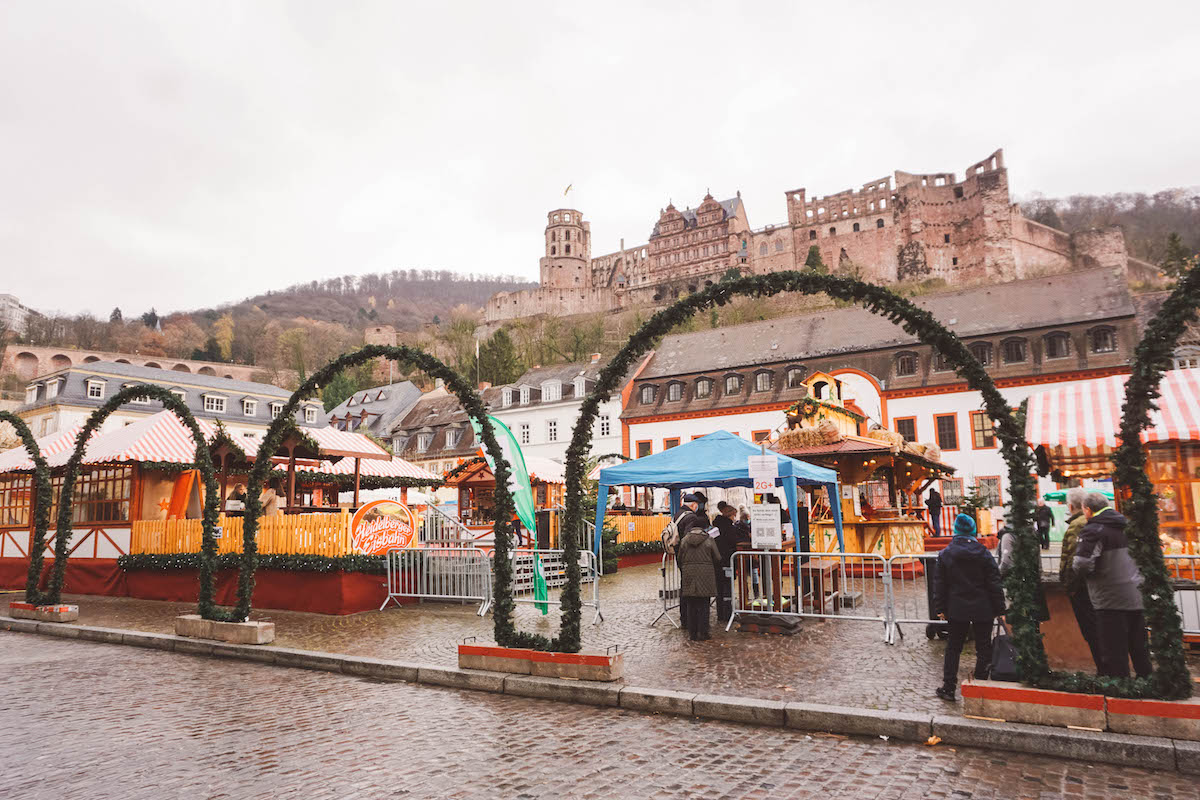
[638,529]
[295,534]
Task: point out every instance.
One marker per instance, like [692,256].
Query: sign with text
[763,471]
[383,525]
[766,530]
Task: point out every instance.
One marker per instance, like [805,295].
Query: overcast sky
[184,154]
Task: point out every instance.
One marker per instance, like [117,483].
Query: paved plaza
[834,663]
[85,720]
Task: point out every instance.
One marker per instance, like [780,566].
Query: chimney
[484,385]
[595,358]
[438,383]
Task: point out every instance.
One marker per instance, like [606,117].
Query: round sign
[383,525]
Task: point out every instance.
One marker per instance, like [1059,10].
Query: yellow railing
[295,534]
[638,529]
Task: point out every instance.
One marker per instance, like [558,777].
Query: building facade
[375,411]
[903,227]
[1027,334]
[13,315]
[28,362]
[61,399]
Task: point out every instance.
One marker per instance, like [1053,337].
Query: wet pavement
[86,720]
[832,662]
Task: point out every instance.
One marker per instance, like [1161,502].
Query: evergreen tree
[1175,262]
[814,261]
[115,316]
[338,389]
[150,319]
[499,362]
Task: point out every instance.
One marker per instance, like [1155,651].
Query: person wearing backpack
[699,563]
[968,595]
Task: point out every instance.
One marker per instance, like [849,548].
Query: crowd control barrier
[555,570]
[669,591]
[439,573]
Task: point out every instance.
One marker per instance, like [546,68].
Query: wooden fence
[637,528]
[295,534]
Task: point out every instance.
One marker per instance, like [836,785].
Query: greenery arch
[203,462]
[41,507]
[915,321]
[505,631]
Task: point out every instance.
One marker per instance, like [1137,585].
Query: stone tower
[568,251]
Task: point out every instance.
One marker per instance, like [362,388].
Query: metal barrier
[669,593]
[439,528]
[439,573]
[555,569]
[1185,575]
[849,586]
[912,594]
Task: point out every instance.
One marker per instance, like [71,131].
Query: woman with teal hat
[968,595]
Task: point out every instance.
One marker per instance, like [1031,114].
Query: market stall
[882,479]
[476,485]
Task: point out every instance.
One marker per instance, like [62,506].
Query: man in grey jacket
[1114,586]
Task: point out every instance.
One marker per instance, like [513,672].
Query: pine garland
[461,468]
[915,321]
[40,508]
[808,407]
[203,462]
[162,562]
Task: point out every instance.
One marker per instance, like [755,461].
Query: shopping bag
[1004,656]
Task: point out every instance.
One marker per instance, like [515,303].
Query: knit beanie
[964,526]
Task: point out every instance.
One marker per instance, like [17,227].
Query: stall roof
[851,445]
[718,459]
[540,469]
[51,444]
[1078,423]
[374,468]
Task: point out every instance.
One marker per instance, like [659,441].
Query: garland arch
[41,507]
[203,462]
[505,631]
[914,320]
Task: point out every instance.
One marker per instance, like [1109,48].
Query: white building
[12,314]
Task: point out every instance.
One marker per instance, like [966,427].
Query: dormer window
[580,386]
[1103,340]
[31,393]
[276,410]
[1058,345]
[733,384]
[906,364]
[51,389]
[310,414]
[648,393]
[95,389]
[551,391]
[351,402]
[423,441]
[381,396]
[982,352]
[452,437]
[674,392]
[214,404]
[1013,351]
[796,376]
[137,401]
[249,407]
[180,393]
[507,398]
[524,395]
[763,381]
[703,388]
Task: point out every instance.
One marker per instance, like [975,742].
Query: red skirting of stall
[315,592]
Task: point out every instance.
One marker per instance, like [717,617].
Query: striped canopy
[51,444]
[1078,424]
[372,468]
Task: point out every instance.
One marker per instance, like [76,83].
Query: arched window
[812,235]
[566,236]
[796,376]
[553,250]
[1058,345]
[820,390]
[1012,351]
[1103,340]
[674,392]
[982,352]
[762,249]
[733,384]
[939,363]
[906,364]
[703,388]
[878,223]
[856,228]
[554,236]
[648,393]
[778,245]
[763,380]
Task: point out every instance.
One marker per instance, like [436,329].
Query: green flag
[522,493]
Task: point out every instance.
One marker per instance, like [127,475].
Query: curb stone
[1111,748]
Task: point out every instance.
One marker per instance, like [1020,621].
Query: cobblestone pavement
[84,720]
[837,662]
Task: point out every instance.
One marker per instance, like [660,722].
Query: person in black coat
[1044,518]
[934,504]
[727,542]
[968,595]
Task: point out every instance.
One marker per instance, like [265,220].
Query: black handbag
[1004,656]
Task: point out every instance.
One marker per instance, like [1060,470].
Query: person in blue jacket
[967,594]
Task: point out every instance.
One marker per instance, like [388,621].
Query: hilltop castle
[897,228]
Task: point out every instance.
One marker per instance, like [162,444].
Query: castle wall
[1038,248]
[557,302]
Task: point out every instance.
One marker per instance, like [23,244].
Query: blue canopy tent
[718,459]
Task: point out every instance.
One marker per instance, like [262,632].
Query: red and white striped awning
[51,444]
[374,468]
[1078,424]
[346,443]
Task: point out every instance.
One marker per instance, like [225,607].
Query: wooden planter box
[579,666]
[1012,702]
[57,613]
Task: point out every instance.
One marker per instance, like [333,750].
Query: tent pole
[357,478]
